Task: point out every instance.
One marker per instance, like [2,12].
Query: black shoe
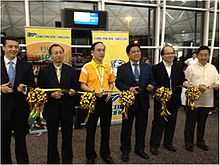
[142,154]
[90,161]
[170,148]
[107,159]
[154,151]
[203,146]
[189,147]
[125,157]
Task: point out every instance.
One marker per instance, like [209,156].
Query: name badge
[102,90]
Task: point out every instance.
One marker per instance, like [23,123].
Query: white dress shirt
[7,63]
[6,60]
[168,69]
[206,75]
[133,67]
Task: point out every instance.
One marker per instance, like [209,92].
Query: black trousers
[160,126]
[66,149]
[20,129]
[198,116]
[103,110]
[141,118]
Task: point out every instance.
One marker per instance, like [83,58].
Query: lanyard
[101,77]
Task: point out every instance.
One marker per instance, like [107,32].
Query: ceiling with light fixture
[138,20]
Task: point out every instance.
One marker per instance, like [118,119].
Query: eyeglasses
[169,53]
[100,50]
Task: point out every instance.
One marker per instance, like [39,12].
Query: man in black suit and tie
[59,110]
[168,74]
[137,77]
[16,75]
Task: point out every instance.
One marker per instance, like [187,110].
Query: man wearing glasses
[98,77]
[205,76]
[59,110]
[169,75]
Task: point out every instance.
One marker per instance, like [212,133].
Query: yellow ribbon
[127,99]
[163,94]
[87,101]
[192,93]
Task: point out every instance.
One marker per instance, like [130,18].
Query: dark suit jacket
[16,100]
[125,79]
[65,106]
[162,79]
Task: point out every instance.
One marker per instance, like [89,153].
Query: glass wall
[186,3]
[216,43]
[185,21]
[136,20]
[46,13]
[183,28]
[12,18]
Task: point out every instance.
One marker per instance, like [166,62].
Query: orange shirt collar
[97,65]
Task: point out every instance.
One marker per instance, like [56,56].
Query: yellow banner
[115,55]
[115,42]
[39,40]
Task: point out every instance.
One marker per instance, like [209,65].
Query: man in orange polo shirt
[98,77]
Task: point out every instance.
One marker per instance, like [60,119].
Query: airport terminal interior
[184,24]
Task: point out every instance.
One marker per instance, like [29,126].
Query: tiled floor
[37,145]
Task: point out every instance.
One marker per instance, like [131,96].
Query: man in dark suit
[170,75]
[16,75]
[136,77]
[59,110]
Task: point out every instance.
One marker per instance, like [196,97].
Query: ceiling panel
[45,13]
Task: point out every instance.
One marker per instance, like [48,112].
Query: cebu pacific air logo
[30,34]
[115,64]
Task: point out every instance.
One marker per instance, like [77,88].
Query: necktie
[58,74]
[136,72]
[11,72]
